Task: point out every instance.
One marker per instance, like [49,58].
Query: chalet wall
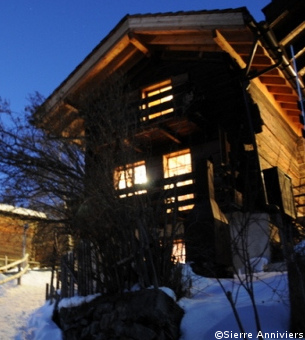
[11,237]
[278,145]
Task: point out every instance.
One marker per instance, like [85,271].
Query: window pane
[178,252]
[140,174]
[177,163]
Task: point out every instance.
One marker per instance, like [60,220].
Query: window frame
[126,179]
[180,183]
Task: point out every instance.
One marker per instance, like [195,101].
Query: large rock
[143,315]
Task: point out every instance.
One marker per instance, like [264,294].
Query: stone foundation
[143,315]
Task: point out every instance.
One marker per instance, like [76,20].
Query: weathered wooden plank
[273,152]
[290,106]
[286,98]
[204,38]
[273,80]
[183,22]
[279,89]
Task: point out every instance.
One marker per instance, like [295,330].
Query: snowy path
[17,303]
[24,315]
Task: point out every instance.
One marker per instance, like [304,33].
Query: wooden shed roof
[21,213]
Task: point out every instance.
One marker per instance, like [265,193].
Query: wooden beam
[134,39]
[131,145]
[202,38]
[293,34]
[299,54]
[279,89]
[293,115]
[226,47]
[261,60]
[290,106]
[197,48]
[273,80]
[188,22]
[261,68]
[170,134]
[246,49]
[237,36]
[70,107]
[286,98]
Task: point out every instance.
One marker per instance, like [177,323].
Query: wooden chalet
[219,130]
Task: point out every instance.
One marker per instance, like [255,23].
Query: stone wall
[142,315]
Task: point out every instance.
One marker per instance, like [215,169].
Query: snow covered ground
[20,314]
[208,315]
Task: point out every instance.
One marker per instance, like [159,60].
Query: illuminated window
[175,164]
[178,252]
[155,96]
[130,175]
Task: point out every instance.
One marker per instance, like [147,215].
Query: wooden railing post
[19,278]
[47,292]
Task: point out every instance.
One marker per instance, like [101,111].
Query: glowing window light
[178,252]
[130,175]
[175,164]
[150,92]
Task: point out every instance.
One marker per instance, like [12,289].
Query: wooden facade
[18,227]
[212,86]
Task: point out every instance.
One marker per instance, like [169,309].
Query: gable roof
[129,31]
[233,31]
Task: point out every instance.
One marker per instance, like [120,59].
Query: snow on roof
[21,211]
